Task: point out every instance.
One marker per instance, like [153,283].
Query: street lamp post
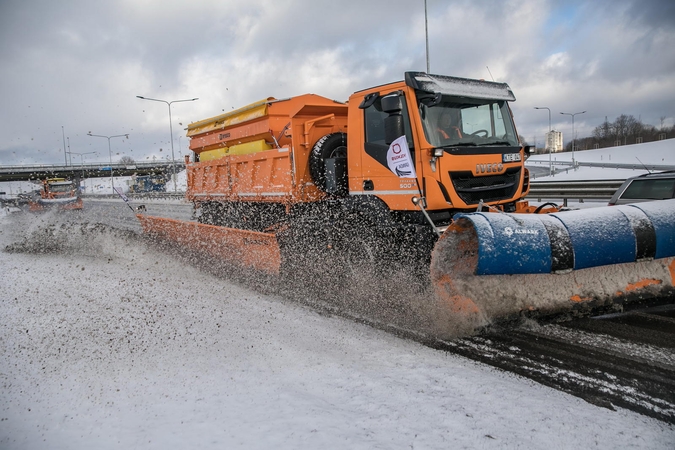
[573,136]
[548,136]
[112,182]
[426,33]
[63,134]
[81,159]
[173,160]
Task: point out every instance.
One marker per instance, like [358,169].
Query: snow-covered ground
[103,186]
[651,153]
[108,344]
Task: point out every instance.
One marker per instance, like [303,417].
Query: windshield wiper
[461,144]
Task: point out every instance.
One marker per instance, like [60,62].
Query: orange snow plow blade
[490,267]
[243,248]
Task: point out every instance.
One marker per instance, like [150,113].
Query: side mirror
[393,123]
[368,100]
[392,104]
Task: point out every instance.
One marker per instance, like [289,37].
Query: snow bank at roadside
[657,153]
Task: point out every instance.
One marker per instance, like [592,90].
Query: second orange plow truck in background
[420,180]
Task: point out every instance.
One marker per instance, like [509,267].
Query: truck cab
[461,136]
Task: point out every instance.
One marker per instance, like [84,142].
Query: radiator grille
[472,189]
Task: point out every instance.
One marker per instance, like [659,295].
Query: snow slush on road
[107,343]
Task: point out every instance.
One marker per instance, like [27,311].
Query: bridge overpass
[94,170]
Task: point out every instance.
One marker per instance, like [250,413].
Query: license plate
[511,157]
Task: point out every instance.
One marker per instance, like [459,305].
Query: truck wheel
[332,145]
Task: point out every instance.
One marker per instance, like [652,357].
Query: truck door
[377,178]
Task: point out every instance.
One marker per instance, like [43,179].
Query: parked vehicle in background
[645,188]
[147,183]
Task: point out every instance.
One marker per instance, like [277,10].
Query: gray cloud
[79,65]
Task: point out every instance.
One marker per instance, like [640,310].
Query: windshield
[653,189]
[458,121]
[61,187]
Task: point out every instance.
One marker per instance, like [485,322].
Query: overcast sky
[72,67]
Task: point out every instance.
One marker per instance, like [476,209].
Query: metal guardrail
[578,190]
[141,196]
[564,165]
[561,191]
[629,166]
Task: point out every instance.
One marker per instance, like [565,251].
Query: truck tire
[330,146]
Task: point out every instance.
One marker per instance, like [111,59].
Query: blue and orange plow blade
[491,266]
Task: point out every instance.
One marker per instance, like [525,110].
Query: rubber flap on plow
[240,248]
[491,266]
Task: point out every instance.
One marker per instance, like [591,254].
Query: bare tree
[603,131]
[626,129]
[127,160]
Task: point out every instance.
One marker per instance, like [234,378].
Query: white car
[645,188]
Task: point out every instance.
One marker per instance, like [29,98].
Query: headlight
[437,152]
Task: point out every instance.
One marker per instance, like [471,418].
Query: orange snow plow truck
[425,173]
[57,193]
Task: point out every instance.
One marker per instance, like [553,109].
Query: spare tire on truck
[331,147]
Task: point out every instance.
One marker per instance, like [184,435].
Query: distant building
[554,141]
